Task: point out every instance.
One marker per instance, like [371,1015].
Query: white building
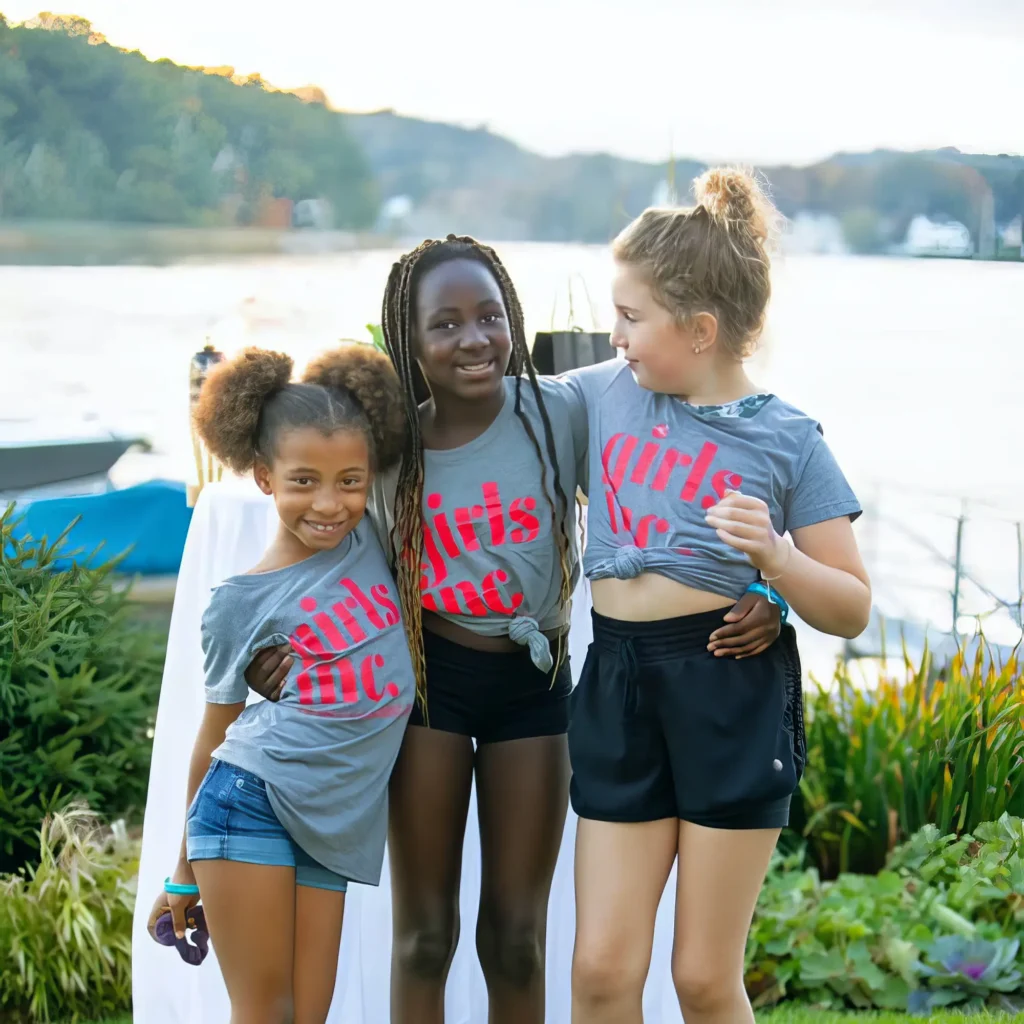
[926,238]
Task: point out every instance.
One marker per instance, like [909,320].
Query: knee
[270,1008]
[510,951]
[704,986]
[604,974]
[426,949]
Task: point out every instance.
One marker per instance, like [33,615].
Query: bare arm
[824,579]
[216,719]
[820,575]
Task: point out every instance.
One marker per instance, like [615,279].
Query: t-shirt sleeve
[225,655]
[380,510]
[571,391]
[821,491]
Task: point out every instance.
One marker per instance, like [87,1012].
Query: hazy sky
[772,81]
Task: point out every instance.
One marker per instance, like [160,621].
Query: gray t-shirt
[490,561]
[327,747]
[661,463]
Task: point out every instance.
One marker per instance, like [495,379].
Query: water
[915,368]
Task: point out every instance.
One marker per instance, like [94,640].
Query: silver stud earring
[697,350]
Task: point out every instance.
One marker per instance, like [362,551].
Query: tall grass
[944,750]
[66,923]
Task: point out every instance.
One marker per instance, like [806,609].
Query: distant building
[927,238]
[394,215]
[665,194]
[313,213]
[817,234]
[1011,236]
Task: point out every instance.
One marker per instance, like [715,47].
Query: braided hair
[399,324]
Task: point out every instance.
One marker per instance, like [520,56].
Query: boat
[62,478]
[77,462]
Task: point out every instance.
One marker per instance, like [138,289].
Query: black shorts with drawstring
[661,728]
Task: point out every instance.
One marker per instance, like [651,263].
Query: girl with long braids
[481,515]
[483,519]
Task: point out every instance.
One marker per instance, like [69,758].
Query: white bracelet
[772,579]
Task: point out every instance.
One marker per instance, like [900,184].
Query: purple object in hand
[195,921]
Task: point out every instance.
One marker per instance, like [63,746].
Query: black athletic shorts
[661,728]
[491,695]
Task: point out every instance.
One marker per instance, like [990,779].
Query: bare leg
[720,875]
[621,871]
[318,917]
[429,800]
[522,794]
[250,911]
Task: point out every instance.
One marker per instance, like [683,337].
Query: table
[230,529]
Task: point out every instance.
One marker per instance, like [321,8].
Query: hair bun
[227,414]
[368,374]
[734,198]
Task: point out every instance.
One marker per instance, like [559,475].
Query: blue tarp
[151,518]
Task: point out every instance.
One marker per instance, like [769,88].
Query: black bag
[555,352]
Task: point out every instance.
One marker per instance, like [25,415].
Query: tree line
[90,131]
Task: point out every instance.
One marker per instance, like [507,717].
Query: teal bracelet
[773,596]
[174,889]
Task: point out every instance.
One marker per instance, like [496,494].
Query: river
[915,369]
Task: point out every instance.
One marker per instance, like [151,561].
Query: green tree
[862,230]
[92,131]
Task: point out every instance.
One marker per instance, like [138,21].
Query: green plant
[884,762]
[66,924]
[908,937]
[377,335]
[802,1015]
[78,688]
[966,971]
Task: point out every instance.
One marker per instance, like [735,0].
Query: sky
[775,81]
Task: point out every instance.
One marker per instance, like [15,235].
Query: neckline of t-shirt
[482,439]
[720,411]
[333,554]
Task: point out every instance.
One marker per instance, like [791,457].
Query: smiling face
[319,483]
[462,337]
[664,354]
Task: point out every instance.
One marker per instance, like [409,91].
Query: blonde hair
[710,258]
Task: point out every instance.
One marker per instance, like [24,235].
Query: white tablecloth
[230,530]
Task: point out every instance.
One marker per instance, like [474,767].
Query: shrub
[883,763]
[940,926]
[66,924]
[78,688]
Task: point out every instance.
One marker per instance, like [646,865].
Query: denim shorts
[231,819]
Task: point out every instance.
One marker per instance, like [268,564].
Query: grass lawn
[795,1016]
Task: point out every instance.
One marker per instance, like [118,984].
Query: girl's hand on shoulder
[179,906]
[268,671]
[752,626]
[744,523]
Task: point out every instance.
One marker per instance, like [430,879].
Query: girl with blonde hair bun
[703,485]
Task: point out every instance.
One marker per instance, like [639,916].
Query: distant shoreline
[111,244]
[83,243]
